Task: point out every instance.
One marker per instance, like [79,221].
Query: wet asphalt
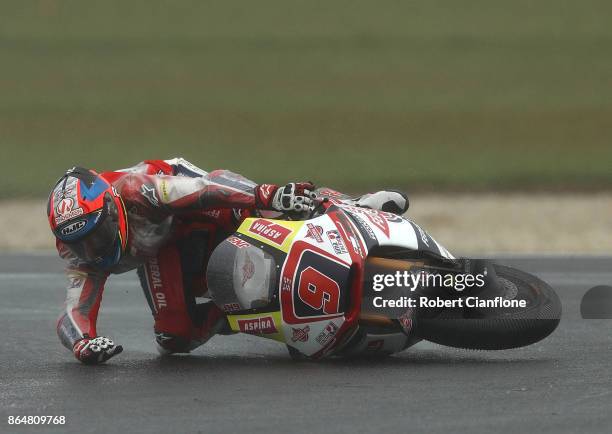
[245,384]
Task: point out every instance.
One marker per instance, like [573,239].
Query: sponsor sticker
[65,191]
[337,242]
[356,246]
[212,213]
[327,334]
[269,230]
[350,234]
[248,269]
[164,191]
[423,234]
[70,215]
[148,191]
[156,284]
[231,307]
[330,193]
[265,190]
[364,227]
[237,213]
[73,228]
[314,231]
[286,284]
[258,326]
[300,334]
[64,206]
[241,244]
[377,218]
[379,221]
[76,282]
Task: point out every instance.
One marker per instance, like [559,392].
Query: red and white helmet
[87,214]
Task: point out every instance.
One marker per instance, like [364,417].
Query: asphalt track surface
[246,384]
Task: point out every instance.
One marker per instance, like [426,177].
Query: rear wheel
[499,328]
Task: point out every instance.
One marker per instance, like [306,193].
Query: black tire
[499,329]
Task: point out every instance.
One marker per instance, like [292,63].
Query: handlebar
[319,202]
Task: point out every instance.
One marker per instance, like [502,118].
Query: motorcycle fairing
[373,344]
[335,245]
[427,243]
[313,285]
[328,255]
[314,296]
[379,228]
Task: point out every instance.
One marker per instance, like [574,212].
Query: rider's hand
[295,196]
[92,351]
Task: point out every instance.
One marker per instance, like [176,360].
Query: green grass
[353,94]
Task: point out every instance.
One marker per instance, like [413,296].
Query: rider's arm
[175,166]
[180,194]
[76,326]
[84,293]
[224,189]
[220,189]
[176,194]
[177,186]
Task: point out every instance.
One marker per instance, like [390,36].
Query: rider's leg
[180,324]
[194,250]
[161,280]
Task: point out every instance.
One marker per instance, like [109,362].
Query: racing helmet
[87,214]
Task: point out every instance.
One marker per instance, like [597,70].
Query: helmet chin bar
[112,258]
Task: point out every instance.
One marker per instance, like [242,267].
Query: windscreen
[241,276]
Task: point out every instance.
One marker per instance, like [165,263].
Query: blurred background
[434,96]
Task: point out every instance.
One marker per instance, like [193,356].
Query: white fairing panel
[393,230]
[321,232]
[312,337]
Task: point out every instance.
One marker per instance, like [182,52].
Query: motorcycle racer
[162,217]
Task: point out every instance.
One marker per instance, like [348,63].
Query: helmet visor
[101,231]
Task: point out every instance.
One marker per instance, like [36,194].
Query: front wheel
[499,329]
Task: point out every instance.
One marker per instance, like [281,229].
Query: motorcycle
[315,284]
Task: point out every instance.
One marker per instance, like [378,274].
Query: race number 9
[319,291]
